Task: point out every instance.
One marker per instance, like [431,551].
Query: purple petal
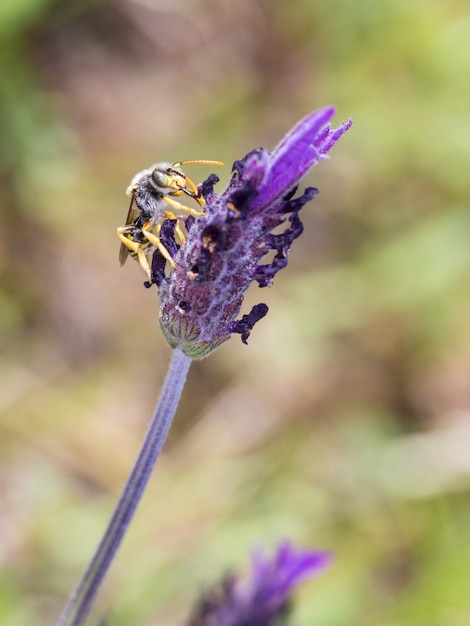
[274,579]
[300,150]
[326,140]
[309,125]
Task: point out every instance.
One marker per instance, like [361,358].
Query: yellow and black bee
[151,190]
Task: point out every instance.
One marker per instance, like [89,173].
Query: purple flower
[202,296]
[264,598]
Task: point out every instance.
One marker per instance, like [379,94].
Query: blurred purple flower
[264,598]
[203,294]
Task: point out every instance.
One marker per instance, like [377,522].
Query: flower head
[202,296]
[264,598]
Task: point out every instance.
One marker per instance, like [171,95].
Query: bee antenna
[198,162]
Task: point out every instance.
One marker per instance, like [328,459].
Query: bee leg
[123,233]
[136,248]
[157,243]
[182,207]
[144,264]
[171,216]
[180,233]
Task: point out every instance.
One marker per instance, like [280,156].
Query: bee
[150,191]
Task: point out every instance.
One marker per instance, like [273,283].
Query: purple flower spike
[264,599]
[202,296]
[273,580]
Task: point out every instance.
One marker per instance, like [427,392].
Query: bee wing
[123,254]
[132,215]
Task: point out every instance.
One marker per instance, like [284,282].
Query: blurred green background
[345,424]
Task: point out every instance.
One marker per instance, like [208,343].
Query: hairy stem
[83,596]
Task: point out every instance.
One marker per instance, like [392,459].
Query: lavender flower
[200,300]
[203,294]
[263,599]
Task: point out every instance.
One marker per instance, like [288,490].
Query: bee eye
[160,178]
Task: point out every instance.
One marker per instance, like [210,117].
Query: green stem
[82,598]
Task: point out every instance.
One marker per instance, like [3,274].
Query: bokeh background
[345,424]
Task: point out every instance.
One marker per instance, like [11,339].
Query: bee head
[167,179]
